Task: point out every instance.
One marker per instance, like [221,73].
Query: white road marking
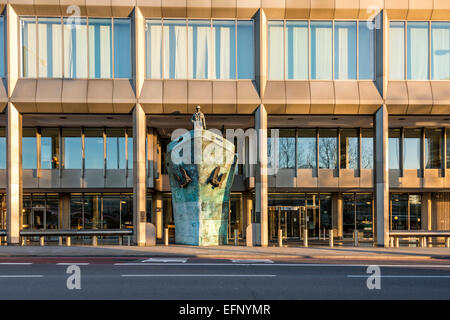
[251,261]
[16,263]
[281,265]
[21,276]
[198,275]
[165,260]
[72,263]
[395,276]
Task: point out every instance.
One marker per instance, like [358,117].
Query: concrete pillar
[139,175]
[337,210]
[261,197]
[65,210]
[382,176]
[14,173]
[248,205]
[157,218]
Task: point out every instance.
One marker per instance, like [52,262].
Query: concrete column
[65,211]
[248,208]
[139,176]
[14,173]
[337,214]
[261,197]
[139,57]
[382,177]
[157,215]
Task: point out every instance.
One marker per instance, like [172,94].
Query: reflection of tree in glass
[307,153]
[327,153]
[286,152]
[367,153]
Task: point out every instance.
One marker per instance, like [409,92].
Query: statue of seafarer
[198,119]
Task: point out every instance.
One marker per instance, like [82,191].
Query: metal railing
[424,237]
[69,233]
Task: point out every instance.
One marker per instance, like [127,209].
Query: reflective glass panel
[306,148]
[29,47]
[72,148]
[111,211]
[153,43]
[29,150]
[50,48]
[364,217]
[321,50]
[399,213]
[440,51]
[397,51]
[100,48]
[76,211]
[349,149]
[328,148]
[115,148]
[433,139]
[245,50]
[367,148]
[415,211]
[276,50]
[344,50]
[418,51]
[122,48]
[93,148]
[297,50]
[200,55]
[175,48]
[2,148]
[411,149]
[75,48]
[366,51]
[286,148]
[224,37]
[394,149]
[52,211]
[49,148]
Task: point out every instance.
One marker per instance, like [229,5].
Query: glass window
[418,51]
[399,215]
[224,36]
[2,148]
[440,50]
[363,214]
[38,211]
[130,148]
[92,211]
[394,149]
[411,148]
[328,148]
[75,48]
[52,211]
[122,48]
[286,148]
[50,47]
[2,46]
[201,62]
[415,212]
[111,211]
[76,211]
[276,48]
[49,148]
[397,51]
[127,210]
[29,47]
[297,50]
[153,43]
[349,149]
[344,50]
[366,52]
[26,211]
[72,148]
[348,214]
[115,148]
[448,148]
[245,50]
[100,48]
[367,148]
[433,139]
[93,148]
[29,150]
[321,50]
[325,211]
[175,48]
[306,148]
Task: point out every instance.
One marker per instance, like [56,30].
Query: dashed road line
[198,275]
[251,261]
[21,276]
[165,260]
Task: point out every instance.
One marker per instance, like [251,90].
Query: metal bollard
[236,239]
[305,237]
[94,241]
[120,240]
[60,240]
[397,242]
[331,238]
[447,242]
[391,242]
[129,240]
[42,241]
[355,238]
[430,242]
[280,238]
[23,241]
[68,241]
[166,236]
[423,242]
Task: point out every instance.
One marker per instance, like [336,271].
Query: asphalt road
[160,278]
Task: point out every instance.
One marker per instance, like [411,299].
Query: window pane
[348,214]
[2,46]
[325,211]
[286,148]
[345,50]
[224,36]
[29,51]
[433,148]
[153,43]
[364,219]
[411,149]
[50,47]
[448,148]
[366,52]
[201,61]
[321,50]
[327,148]
[306,148]
[111,211]
[276,48]
[115,148]
[75,49]
[399,215]
[72,148]
[76,211]
[100,48]
[175,48]
[367,148]
[52,211]
[92,211]
[245,50]
[394,149]
[297,50]
[122,48]
[38,211]
[93,148]
[49,148]
[349,149]
[397,51]
[440,50]
[2,148]
[127,210]
[130,148]
[415,212]
[418,51]
[29,151]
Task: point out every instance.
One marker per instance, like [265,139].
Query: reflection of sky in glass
[72,153]
[29,156]
[411,149]
[93,151]
[2,153]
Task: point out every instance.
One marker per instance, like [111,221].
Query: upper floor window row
[200,49]
[410,56]
[2,47]
[75,48]
[321,50]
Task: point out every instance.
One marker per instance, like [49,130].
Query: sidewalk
[231,252]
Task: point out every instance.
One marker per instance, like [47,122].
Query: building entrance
[291,220]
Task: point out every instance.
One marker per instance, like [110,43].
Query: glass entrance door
[312,215]
[286,219]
